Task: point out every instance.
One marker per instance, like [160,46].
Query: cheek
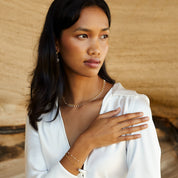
[71,47]
[105,48]
[72,53]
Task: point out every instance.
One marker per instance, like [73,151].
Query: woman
[80,123]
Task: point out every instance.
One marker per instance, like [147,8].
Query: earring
[57,60]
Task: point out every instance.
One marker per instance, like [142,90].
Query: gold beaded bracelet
[69,156]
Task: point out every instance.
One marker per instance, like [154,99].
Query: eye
[82,36]
[105,36]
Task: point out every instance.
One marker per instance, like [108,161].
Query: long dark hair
[48,80]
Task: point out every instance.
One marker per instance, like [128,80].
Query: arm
[143,155]
[35,162]
[105,130]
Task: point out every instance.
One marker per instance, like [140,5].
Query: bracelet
[69,154]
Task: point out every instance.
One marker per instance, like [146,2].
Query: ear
[57,46]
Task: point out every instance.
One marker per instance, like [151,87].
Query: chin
[89,73]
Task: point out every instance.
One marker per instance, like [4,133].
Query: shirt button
[81,174]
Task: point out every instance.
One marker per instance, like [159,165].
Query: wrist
[77,154]
[86,141]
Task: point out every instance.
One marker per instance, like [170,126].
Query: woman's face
[84,45]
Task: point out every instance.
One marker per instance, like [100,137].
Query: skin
[86,39]
[87,130]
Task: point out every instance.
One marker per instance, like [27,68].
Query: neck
[81,89]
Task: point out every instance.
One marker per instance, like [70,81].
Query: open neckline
[101,108]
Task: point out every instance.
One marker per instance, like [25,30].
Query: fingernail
[118,109]
[145,118]
[145,126]
[141,113]
[138,136]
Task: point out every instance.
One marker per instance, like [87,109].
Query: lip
[92,63]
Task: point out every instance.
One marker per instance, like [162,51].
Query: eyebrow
[88,30]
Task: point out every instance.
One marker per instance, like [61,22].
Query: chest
[77,120]
[105,162]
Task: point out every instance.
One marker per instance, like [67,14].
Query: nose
[94,49]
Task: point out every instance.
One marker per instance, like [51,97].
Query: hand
[108,128]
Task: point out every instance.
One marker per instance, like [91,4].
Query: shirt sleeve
[35,163]
[143,154]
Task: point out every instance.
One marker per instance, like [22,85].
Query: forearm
[75,158]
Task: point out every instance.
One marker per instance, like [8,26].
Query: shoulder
[119,90]
[131,98]
[48,117]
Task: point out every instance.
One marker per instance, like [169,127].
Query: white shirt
[128,159]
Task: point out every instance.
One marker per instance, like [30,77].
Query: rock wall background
[143,57]
[143,52]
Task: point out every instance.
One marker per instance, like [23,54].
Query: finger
[125,117]
[129,137]
[110,114]
[132,122]
[133,129]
